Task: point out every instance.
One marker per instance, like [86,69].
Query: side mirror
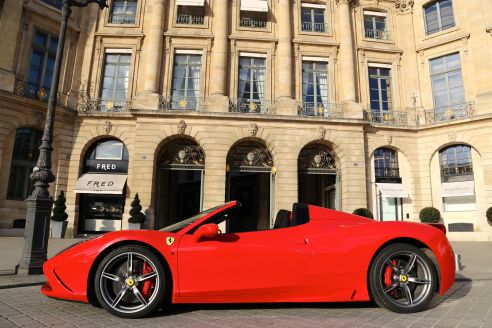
[209,230]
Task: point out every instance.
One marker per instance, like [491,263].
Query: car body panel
[324,260]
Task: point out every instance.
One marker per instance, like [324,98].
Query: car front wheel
[130,282]
[402,279]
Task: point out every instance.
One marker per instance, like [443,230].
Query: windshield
[186,222]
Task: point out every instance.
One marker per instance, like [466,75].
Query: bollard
[457,262]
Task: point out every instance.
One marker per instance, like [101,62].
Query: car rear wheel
[402,279]
[130,282]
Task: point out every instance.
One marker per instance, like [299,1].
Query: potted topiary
[59,217]
[429,215]
[363,212]
[488,214]
[136,216]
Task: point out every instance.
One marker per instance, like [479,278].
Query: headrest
[300,214]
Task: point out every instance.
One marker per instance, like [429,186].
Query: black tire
[130,291]
[402,279]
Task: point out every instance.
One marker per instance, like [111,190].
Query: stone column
[153,49]
[346,51]
[284,82]
[217,99]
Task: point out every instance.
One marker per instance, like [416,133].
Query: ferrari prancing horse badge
[169,241]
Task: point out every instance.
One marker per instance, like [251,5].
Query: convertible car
[312,254]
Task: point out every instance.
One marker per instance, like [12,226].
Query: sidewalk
[476,260]
[10,254]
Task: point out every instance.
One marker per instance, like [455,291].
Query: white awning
[392,190]
[254,5]
[93,183]
[453,189]
[198,3]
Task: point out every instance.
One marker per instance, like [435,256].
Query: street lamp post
[39,202]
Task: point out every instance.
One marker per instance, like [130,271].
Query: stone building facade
[189,103]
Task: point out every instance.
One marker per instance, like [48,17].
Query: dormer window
[253,14]
[375,25]
[190,12]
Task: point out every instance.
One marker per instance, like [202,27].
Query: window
[380,89]
[190,15]
[313,18]
[253,14]
[251,84]
[41,64]
[447,83]
[54,3]
[123,12]
[438,16]
[115,80]
[456,161]
[315,87]
[386,163]
[186,81]
[24,157]
[375,25]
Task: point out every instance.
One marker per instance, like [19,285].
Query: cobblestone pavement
[468,304]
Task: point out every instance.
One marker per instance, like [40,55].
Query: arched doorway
[181,167]
[250,180]
[102,187]
[319,178]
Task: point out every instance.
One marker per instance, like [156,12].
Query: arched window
[24,157]
[386,163]
[456,162]
[457,180]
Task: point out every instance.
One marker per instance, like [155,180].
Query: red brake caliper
[388,276]
[148,284]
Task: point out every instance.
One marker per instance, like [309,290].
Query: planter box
[58,228]
[133,226]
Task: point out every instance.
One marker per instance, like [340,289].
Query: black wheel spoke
[146,276]
[408,294]
[118,297]
[390,288]
[393,266]
[410,263]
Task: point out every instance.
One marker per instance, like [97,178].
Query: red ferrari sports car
[312,254]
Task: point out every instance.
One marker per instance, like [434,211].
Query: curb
[22,284]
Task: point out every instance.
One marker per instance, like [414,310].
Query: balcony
[314,27]
[37,92]
[325,110]
[181,103]
[31,90]
[95,105]
[251,106]
[386,117]
[189,19]
[122,18]
[377,34]
[251,22]
[451,113]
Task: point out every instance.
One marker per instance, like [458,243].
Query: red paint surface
[324,260]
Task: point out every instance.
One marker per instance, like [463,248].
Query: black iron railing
[386,117]
[450,113]
[327,110]
[181,103]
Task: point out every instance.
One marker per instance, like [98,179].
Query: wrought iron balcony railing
[386,117]
[327,110]
[122,19]
[87,104]
[377,34]
[387,172]
[31,90]
[450,113]
[252,22]
[181,103]
[314,27]
[190,19]
[253,106]
[37,92]
[456,169]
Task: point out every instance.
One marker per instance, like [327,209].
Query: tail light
[439,226]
